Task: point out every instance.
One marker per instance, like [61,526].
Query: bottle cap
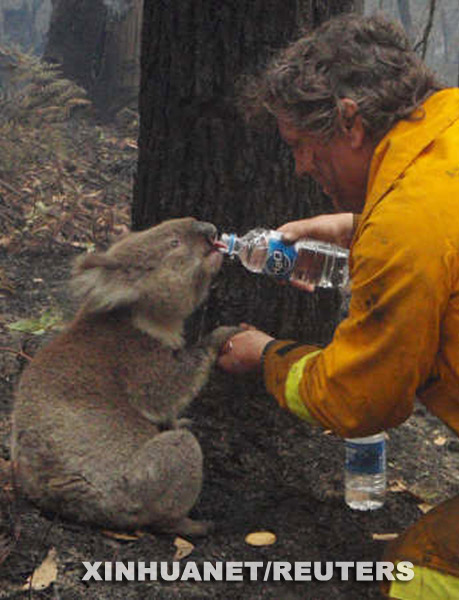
[226,243]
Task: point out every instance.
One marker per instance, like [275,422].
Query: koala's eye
[175,243]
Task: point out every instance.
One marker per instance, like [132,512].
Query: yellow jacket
[401,337]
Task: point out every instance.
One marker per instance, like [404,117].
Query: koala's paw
[188,527]
[221,334]
[170,424]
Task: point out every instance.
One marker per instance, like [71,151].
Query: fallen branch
[425,37]
[17,352]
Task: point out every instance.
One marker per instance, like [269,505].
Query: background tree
[198,157]
[97,42]
[433,28]
[24,23]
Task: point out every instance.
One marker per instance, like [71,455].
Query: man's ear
[351,122]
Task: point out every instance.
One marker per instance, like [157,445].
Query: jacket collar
[405,142]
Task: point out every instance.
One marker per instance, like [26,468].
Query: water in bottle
[263,251]
[365,472]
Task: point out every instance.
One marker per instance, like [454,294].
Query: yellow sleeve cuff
[283,362]
[426,583]
[293,398]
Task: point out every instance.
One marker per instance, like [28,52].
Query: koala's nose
[208,230]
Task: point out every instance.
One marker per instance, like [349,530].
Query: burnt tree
[97,44]
[199,158]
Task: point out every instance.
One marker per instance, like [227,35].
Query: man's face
[336,165]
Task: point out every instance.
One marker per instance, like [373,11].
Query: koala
[96,430]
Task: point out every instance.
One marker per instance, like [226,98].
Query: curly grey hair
[367,59]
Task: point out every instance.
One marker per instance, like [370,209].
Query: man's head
[339,165]
[339,90]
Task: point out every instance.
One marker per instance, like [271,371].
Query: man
[367,120]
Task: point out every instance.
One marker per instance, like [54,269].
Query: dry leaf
[45,574]
[5,475]
[123,537]
[440,440]
[398,486]
[260,538]
[128,143]
[384,537]
[184,548]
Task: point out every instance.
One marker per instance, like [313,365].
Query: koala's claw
[222,334]
[172,423]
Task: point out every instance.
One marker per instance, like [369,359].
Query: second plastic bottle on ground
[365,472]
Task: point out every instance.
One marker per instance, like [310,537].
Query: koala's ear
[91,261]
[100,281]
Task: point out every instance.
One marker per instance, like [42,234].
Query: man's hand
[335,228]
[242,353]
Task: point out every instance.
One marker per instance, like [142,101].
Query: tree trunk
[405,17]
[199,158]
[98,46]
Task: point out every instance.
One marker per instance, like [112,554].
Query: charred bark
[199,158]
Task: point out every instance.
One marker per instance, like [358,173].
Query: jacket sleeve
[365,380]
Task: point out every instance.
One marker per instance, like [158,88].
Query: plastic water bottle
[365,472]
[310,261]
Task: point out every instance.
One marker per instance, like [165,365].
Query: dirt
[264,470]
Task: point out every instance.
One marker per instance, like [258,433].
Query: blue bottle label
[365,459]
[281,258]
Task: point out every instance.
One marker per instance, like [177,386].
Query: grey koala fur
[96,435]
